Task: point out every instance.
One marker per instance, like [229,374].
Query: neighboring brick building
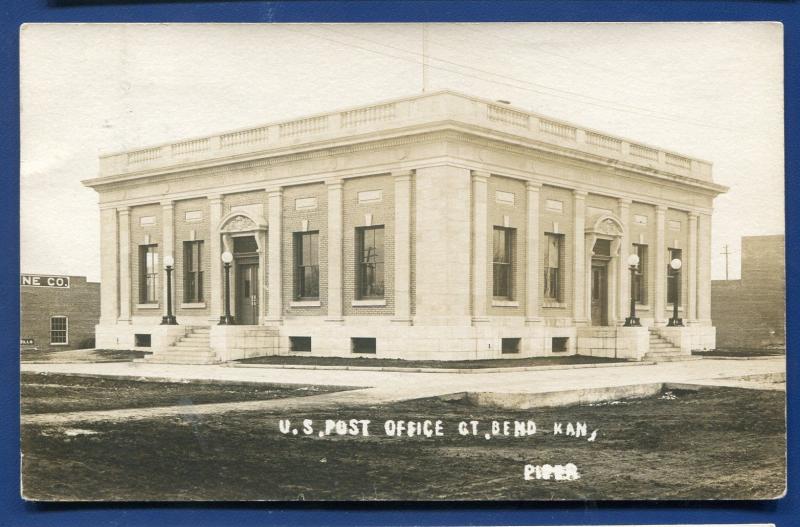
[58,312]
[751,312]
[439,226]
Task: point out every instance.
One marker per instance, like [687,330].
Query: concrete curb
[439,370]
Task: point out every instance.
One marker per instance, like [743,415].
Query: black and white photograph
[420,262]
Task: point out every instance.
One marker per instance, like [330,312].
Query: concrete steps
[662,350]
[193,348]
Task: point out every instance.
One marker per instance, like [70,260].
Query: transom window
[552,266]
[59,327]
[502,262]
[148,274]
[640,276]
[369,242]
[192,271]
[306,257]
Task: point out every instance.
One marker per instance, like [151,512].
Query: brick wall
[355,216]
[751,312]
[183,233]
[80,303]
[645,234]
[551,221]
[138,234]
[292,223]
[517,219]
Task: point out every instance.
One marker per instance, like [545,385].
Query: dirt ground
[51,393]
[82,355]
[401,363]
[719,443]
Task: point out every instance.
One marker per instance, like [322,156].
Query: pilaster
[275,221]
[402,246]
[533,265]
[124,216]
[109,266]
[480,245]
[578,259]
[335,265]
[215,253]
[704,269]
[691,268]
[623,273]
[660,269]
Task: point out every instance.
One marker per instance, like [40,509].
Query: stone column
[660,272]
[109,266]
[480,245]
[579,257]
[168,249]
[124,214]
[402,247]
[533,265]
[690,267]
[215,253]
[275,236]
[335,264]
[623,273]
[704,269]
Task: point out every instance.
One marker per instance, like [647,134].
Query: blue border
[13,511]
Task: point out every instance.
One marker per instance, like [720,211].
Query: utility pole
[725,252]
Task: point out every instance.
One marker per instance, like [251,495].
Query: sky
[708,90]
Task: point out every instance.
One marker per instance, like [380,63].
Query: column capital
[214,198]
[274,191]
[661,208]
[624,202]
[579,194]
[167,204]
[693,215]
[333,184]
[400,175]
[125,210]
[480,175]
[533,185]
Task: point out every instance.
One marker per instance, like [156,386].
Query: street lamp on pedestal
[633,264]
[676,264]
[169,318]
[227,319]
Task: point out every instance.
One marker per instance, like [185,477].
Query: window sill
[193,305]
[305,303]
[369,302]
[59,343]
[147,306]
[505,303]
[554,305]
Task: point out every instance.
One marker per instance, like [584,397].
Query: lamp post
[676,264]
[227,319]
[633,264]
[169,318]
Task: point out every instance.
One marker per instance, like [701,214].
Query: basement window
[300,344]
[510,345]
[141,340]
[363,345]
[560,344]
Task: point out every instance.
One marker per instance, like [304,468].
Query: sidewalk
[382,387]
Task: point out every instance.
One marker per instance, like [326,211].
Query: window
[560,344]
[502,260]
[363,345]
[369,242]
[148,274]
[302,344]
[58,330]
[192,271]
[510,345]
[142,340]
[306,257]
[552,266]
[640,276]
[673,277]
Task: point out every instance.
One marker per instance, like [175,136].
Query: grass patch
[718,443]
[401,363]
[51,393]
[741,353]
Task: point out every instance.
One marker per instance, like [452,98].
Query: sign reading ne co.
[35,280]
[25,341]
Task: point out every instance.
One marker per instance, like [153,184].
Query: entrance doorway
[247,291]
[599,293]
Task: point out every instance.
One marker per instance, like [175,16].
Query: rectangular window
[300,344]
[148,274]
[192,271]
[306,258]
[673,277]
[363,345]
[369,243]
[502,263]
[59,327]
[640,276]
[510,345]
[552,266]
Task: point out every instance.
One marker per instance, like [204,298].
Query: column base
[401,321]
[478,321]
[337,321]
[534,321]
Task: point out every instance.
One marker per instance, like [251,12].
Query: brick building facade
[750,313]
[58,312]
[439,226]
